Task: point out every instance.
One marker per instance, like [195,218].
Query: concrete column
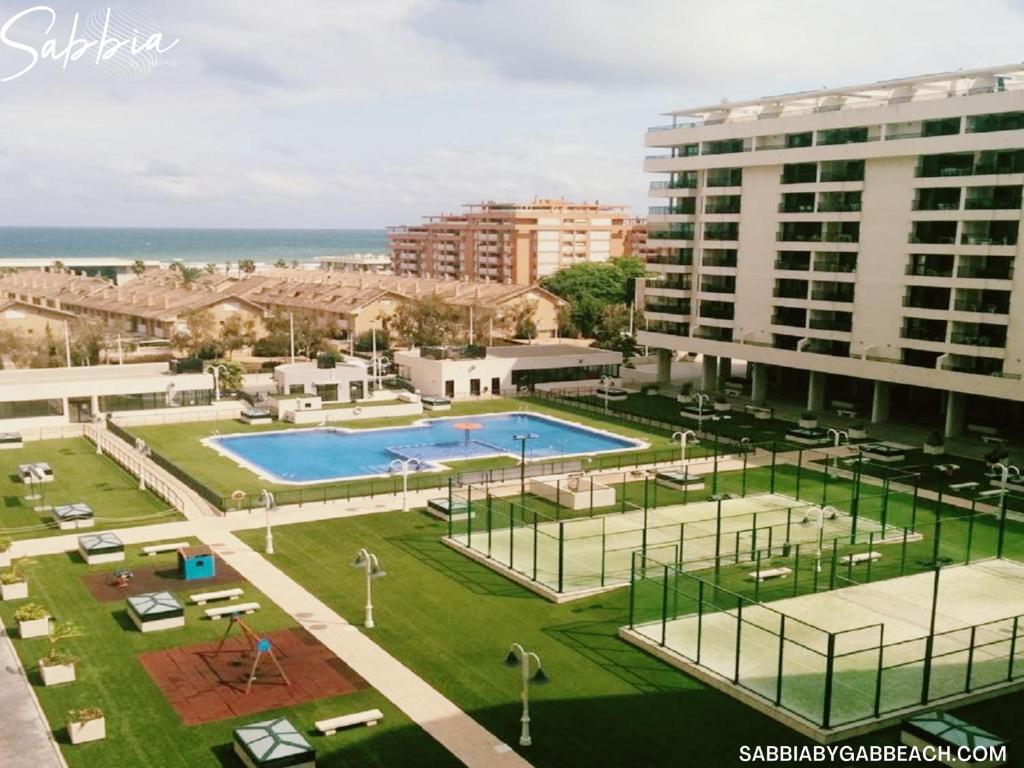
[815,391]
[724,369]
[710,380]
[880,402]
[758,382]
[954,414]
[664,365]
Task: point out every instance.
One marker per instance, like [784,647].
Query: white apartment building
[853,244]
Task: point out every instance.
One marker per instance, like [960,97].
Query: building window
[26,409]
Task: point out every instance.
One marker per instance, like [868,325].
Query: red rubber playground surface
[204,685]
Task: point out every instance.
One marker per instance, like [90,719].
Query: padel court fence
[569,540]
[717,620]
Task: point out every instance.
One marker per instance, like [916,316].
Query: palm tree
[227,267]
[138,267]
[280,263]
[248,266]
[211,268]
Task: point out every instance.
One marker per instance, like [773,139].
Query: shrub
[58,634]
[858,425]
[5,543]
[721,398]
[30,612]
[935,439]
[808,415]
[84,715]
[16,573]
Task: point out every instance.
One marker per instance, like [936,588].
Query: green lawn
[142,728]
[452,620]
[180,444]
[79,476]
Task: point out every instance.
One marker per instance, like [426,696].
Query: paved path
[469,741]
[25,737]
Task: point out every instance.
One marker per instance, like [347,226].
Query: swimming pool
[316,455]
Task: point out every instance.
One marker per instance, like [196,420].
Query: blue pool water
[315,455]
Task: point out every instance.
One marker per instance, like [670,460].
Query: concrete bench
[860,557]
[981,429]
[230,610]
[758,412]
[332,725]
[225,594]
[994,440]
[770,573]
[156,549]
[849,412]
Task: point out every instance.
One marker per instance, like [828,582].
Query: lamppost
[268,502]
[522,438]
[216,370]
[838,435]
[701,398]
[1005,470]
[404,466]
[684,438]
[607,382]
[142,450]
[371,566]
[520,657]
[97,421]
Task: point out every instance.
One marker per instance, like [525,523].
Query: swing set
[261,645]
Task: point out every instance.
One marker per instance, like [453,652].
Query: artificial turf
[451,620]
[142,727]
[79,476]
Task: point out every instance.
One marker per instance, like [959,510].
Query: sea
[200,246]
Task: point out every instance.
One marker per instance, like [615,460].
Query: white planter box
[808,423]
[17,591]
[723,407]
[858,434]
[5,559]
[684,399]
[94,730]
[934,450]
[57,675]
[34,628]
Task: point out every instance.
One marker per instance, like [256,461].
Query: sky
[368,113]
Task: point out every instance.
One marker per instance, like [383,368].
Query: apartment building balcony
[797,202]
[986,268]
[831,347]
[724,177]
[673,232]
[982,366]
[719,257]
[725,147]
[924,329]
[930,265]
[799,173]
[839,262]
[990,233]
[669,281]
[713,333]
[794,261]
[831,321]
[1001,121]
[672,256]
[722,204]
[979,335]
[985,163]
[994,198]
[833,136]
[667,306]
[786,141]
[920,358]
[920,129]
[842,170]
[982,301]
[790,289]
[718,310]
[722,230]
[839,202]
[785,341]
[668,326]
[927,297]
[718,284]
[834,292]
[937,199]
[933,232]
[679,206]
[792,317]
[818,232]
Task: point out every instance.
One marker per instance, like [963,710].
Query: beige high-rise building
[856,245]
[510,242]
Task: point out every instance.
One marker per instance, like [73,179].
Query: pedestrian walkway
[469,741]
[25,737]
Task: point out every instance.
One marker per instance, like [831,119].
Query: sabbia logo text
[97,49]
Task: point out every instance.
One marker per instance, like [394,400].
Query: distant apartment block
[857,245]
[510,242]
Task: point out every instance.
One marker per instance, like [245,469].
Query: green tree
[246,266]
[427,322]
[591,286]
[280,263]
[363,342]
[211,268]
[200,333]
[311,334]
[186,274]
[521,320]
[612,332]
[231,375]
[138,267]
[235,333]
